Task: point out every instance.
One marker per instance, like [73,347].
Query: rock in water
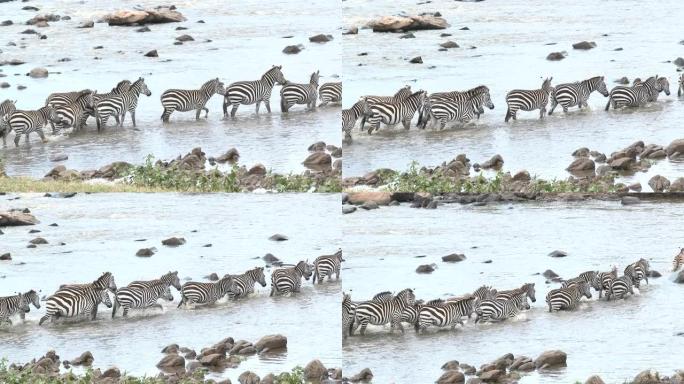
[148,16]
[278,237]
[17,218]
[321,38]
[453,258]
[271,343]
[173,241]
[551,359]
[38,73]
[558,253]
[407,23]
[584,45]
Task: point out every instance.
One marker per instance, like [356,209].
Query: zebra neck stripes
[391,113]
[678,261]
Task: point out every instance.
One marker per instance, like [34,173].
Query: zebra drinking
[293,93]
[576,94]
[193,293]
[568,297]
[141,298]
[9,305]
[444,313]
[528,100]
[327,265]
[244,284]
[400,95]
[330,93]
[620,287]
[25,122]
[392,113]
[349,116]
[678,261]
[635,96]
[289,280]
[77,299]
[250,92]
[185,100]
[381,313]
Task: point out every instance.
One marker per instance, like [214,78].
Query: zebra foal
[350,116]
[9,305]
[26,122]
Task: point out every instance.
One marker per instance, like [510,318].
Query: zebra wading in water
[7,108]
[501,308]
[635,96]
[19,303]
[170,279]
[193,293]
[381,313]
[76,299]
[25,122]
[75,113]
[250,92]
[576,94]
[638,271]
[330,93]
[461,96]
[661,83]
[349,306]
[184,100]
[527,289]
[141,298]
[398,96]
[130,98]
[327,265]
[390,113]
[446,110]
[244,284]
[289,280]
[680,89]
[604,280]
[568,297]
[528,100]
[444,313]
[620,287]
[293,93]
[349,116]
[678,261]
[588,277]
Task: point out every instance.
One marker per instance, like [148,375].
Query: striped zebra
[170,279]
[130,98]
[349,306]
[485,292]
[604,279]
[77,299]
[205,293]
[576,94]
[75,113]
[463,96]
[185,100]
[680,90]
[392,113]
[662,83]
[250,92]
[638,271]
[528,100]
[349,116]
[330,93]
[588,277]
[446,110]
[141,298]
[244,283]
[444,313]
[381,313]
[410,314]
[634,96]
[678,261]
[9,305]
[501,308]
[327,265]
[25,122]
[289,280]
[400,95]
[620,287]
[527,289]
[7,108]
[294,93]
[568,296]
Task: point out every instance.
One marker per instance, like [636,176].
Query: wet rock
[113,373]
[143,29]
[271,343]
[336,153]
[630,200]
[171,361]
[38,73]
[174,241]
[171,348]
[147,16]
[474,380]
[380,198]
[152,53]
[59,157]
[416,60]
[320,38]
[582,164]
[249,377]
[347,209]
[519,362]
[600,158]
[449,44]
[6,256]
[522,176]
[87,24]
[6,23]
[17,218]
[278,237]
[654,274]
[677,185]
[551,359]
[581,152]
[351,31]
[675,149]
[679,62]
[556,56]
[622,163]
[38,241]
[496,162]
[315,370]
[5,84]
[369,205]
[584,45]
[453,258]
[425,268]
[451,377]
[594,380]
[407,36]
[680,277]
[468,369]
[636,187]
[407,23]
[366,375]
[257,169]
[212,277]
[146,252]
[549,274]
[647,377]
[317,160]
[270,259]
[212,360]
[184,38]
[317,146]
[558,253]
[293,49]
[451,365]
[623,80]
[492,376]
[231,156]
[659,183]
[86,359]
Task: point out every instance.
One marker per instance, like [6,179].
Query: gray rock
[173,241]
[152,53]
[293,49]
[659,183]
[416,60]
[584,45]
[556,56]
[59,157]
[278,237]
[87,24]
[453,258]
[551,359]
[558,253]
[630,200]
[146,252]
[425,268]
[320,38]
[549,274]
[184,38]
[347,209]
[38,73]
[449,44]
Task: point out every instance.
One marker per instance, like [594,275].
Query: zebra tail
[313,278]
[115,306]
[508,115]
[182,301]
[282,104]
[608,103]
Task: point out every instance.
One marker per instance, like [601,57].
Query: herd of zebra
[488,304]
[72,300]
[463,106]
[72,109]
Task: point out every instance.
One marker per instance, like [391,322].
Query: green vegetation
[296,376]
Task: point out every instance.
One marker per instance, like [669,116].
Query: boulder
[449,44]
[148,16]
[171,361]
[522,176]
[636,187]
[347,209]
[519,362]
[320,38]
[380,198]
[622,163]
[257,169]
[171,348]
[584,45]
[452,365]
[315,371]
[581,152]
[556,56]
[87,24]
[675,149]
[38,241]
[495,162]
[677,185]
[17,218]
[407,23]
[581,164]
[558,253]
[680,277]
[59,157]
[212,277]
[416,60]
[231,156]
[293,49]
[630,200]
[318,160]
[492,376]
[152,53]
[86,359]
[184,38]
[212,360]
[659,183]
[174,241]
[271,343]
[143,29]
[549,274]
[249,377]
[6,256]
[113,373]
[451,377]
[38,73]
[647,377]
[594,380]
[278,237]
[551,359]
[146,252]
[453,258]
[425,268]
[366,375]
[679,62]
[270,259]
[351,31]
[368,205]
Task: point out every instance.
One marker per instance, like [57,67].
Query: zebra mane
[436,302]
[480,89]
[210,83]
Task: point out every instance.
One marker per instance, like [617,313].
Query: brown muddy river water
[511,48]
[241,48]
[100,233]
[615,339]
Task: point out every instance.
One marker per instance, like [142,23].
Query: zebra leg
[337,274]
[508,115]
[363,122]
[125,311]
[272,291]
[267,103]
[257,106]
[554,103]
[22,316]
[363,328]
[166,114]
[93,313]
[133,117]
[406,123]
[565,109]
[118,120]
[41,134]
[234,110]
[123,117]
[42,319]
[314,277]
[206,114]
[197,113]
[542,112]
[608,104]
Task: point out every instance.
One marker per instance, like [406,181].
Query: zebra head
[104,297]
[32,298]
[338,254]
[314,79]
[213,86]
[406,296]
[50,114]
[86,100]
[486,100]
[22,303]
[226,284]
[383,297]
[346,298]
[403,93]
[637,81]
[662,85]
[259,276]
[121,87]
[166,295]
[645,265]
[140,84]
[582,287]
[601,87]
[274,75]
[529,289]
[304,268]
[8,106]
[172,279]
[546,85]
[105,282]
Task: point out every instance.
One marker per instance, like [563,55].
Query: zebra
[638,271]
[463,96]
[293,93]
[568,296]
[603,280]
[7,107]
[680,90]
[244,284]
[577,93]
[528,100]
[9,305]
[250,92]
[327,265]
[349,306]
[527,289]
[501,308]
[288,280]
[444,313]
[76,299]
[330,93]
[678,261]
[130,98]
[485,292]
[349,116]
[25,122]
[400,95]
[634,96]
[391,113]
[381,313]
[619,287]
[662,83]
[410,314]
[170,279]
[63,98]
[75,113]
[142,298]
[445,110]
[184,100]
[205,293]
[588,277]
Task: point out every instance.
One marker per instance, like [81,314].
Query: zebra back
[678,260]
[169,278]
[400,95]
[330,92]
[526,289]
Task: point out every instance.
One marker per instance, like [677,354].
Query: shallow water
[511,49]
[100,232]
[241,49]
[614,339]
